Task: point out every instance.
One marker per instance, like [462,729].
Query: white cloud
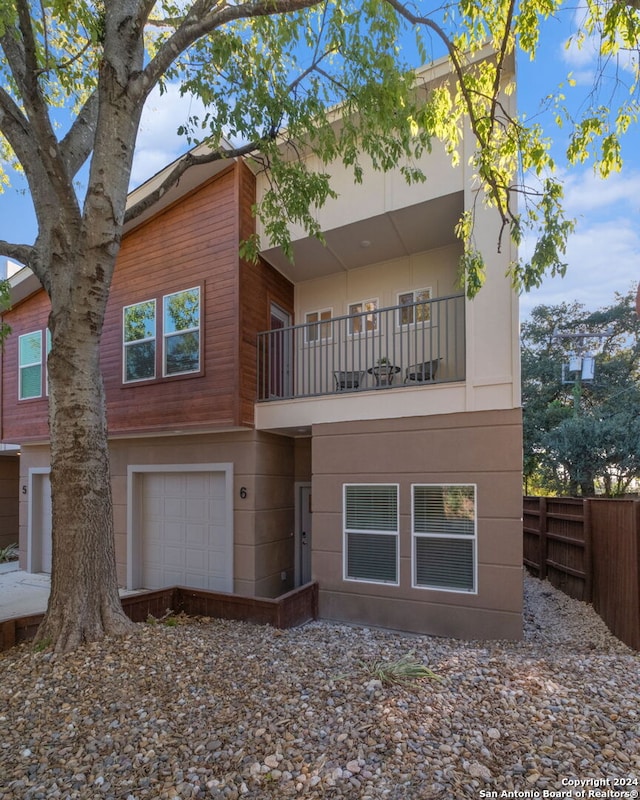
[586,192]
[158,142]
[603,258]
[584,58]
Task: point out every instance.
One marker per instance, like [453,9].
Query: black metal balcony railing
[407,345]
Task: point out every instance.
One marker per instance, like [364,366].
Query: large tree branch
[15,128]
[506,214]
[19,252]
[206,16]
[76,146]
[187,162]
[20,49]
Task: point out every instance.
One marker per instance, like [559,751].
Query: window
[181,321]
[46,370]
[444,537]
[318,325]
[371,533]
[414,306]
[30,365]
[140,341]
[363,317]
[180,336]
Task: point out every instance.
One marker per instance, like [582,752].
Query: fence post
[588,550]
[542,522]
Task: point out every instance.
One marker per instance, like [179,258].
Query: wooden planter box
[287,611]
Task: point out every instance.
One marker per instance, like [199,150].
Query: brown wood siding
[191,244]
[260,285]
[23,420]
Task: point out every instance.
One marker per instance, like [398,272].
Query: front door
[39,556]
[279,353]
[304,534]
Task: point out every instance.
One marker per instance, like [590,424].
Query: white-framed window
[318,326]
[139,338]
[444,533]
[371,533]
[47,339]
[181,329]
[363,317]
[414,306]
[30,365]
[170,324]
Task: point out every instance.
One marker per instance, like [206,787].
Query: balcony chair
[423,372]
[348,380]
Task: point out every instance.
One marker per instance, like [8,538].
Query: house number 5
[24,490]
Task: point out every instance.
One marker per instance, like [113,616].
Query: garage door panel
[216,565]
[197,535]
[173,557]
[185,534]
[174,507]
[197,510]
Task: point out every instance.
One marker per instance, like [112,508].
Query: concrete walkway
[24,593]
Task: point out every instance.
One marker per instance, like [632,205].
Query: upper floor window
[318,325]
[414,306]
[140,341]
[363,317]
[181,325]
[30,364]
[180,332]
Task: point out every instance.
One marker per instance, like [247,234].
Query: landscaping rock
[224,710]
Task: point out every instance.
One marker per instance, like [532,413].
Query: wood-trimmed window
[371,533]
[181,330]
[176,328]
[444,532]
[139,338]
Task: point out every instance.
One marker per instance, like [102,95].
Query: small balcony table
[384,374]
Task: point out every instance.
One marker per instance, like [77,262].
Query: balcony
[418,344]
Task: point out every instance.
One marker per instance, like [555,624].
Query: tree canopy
[581,434]
[263,68]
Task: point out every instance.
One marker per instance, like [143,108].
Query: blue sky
[604,251]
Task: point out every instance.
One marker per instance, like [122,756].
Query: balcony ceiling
[394,234]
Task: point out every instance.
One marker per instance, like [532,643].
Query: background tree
[266,71]
[581,437]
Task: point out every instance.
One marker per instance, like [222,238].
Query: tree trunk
[84,603]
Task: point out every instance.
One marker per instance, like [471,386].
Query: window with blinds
[371,533]
[30,365]
[444,528]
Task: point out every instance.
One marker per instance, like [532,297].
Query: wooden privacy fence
[590,549]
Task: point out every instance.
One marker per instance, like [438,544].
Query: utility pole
[581,363]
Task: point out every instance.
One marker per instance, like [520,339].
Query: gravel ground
[215,709]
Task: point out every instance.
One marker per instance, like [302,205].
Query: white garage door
[186,536]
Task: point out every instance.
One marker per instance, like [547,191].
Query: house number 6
[243,492]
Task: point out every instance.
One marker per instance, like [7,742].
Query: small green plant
[383,361]
[8,553]
[42,645]
[169,618]
[404,671]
